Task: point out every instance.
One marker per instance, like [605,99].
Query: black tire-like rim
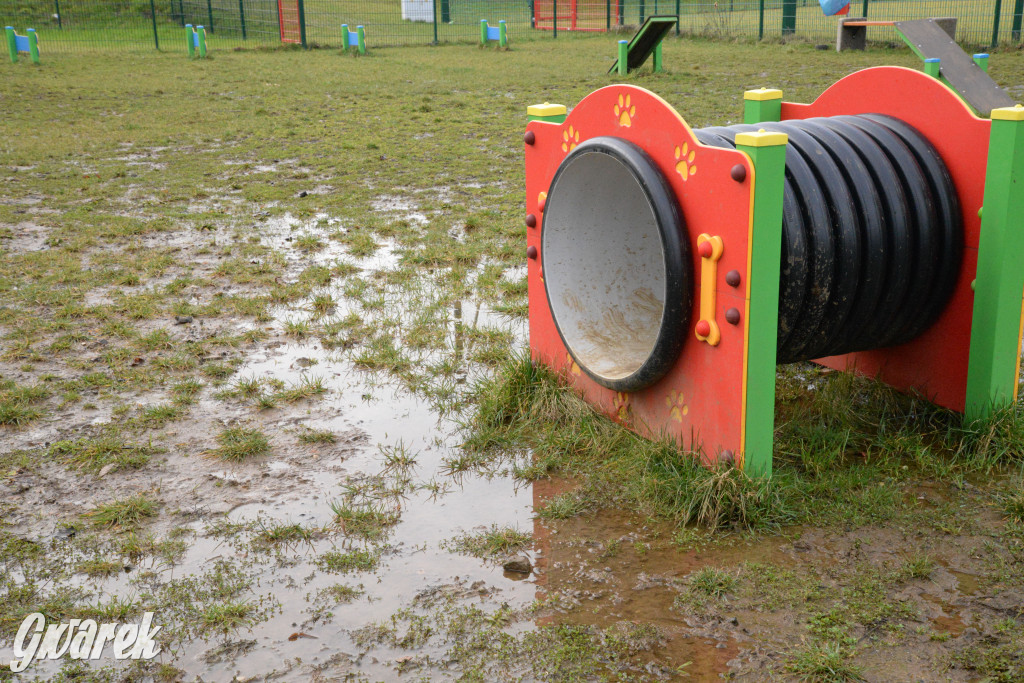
[678,294]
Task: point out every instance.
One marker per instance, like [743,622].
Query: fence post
[554,18]
[677,18]
[241,16]
[152,14]
[760,20]
[56,9]
[181,12]
[533,15]
[1018,10]
[302,23]
[788,17]
[446,12]
[433,6]
[995,23]
[642,12]
[209,13]
[607,15]
[864,10]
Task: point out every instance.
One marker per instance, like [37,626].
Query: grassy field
[261,332]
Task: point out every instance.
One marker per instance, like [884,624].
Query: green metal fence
[74,26]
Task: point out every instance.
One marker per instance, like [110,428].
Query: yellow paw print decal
[625,110]
[621,402]
[570,138]
[684,161]
[573,368]
[677,405]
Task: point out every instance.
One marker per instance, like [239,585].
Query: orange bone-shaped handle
[710,250]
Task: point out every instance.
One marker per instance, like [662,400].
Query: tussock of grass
[239,443]
[824,663]
[123,514]
[19,405]
[93,455]
[495,542]
[338,562]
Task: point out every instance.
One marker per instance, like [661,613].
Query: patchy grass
[494,543]
[236,444]
[108,453]
[127,513]
[344,562]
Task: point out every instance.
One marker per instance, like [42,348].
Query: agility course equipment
[196,39]
[27,44]
[356,39]
[647,40]
[497,33]
[878,230]
[576,15]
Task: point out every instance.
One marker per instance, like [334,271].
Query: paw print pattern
[570,138]
[685,165]
[573,368]
[621,402]
[625,111]
[677,405]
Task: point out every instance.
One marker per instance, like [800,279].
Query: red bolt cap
[732,278]
[703,328]
[705,249]
[531,220]
[531,252]
[529,138]
[738,173]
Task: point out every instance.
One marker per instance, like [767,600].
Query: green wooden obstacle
[196,41]
[28,44]
[497,33]
[633,53]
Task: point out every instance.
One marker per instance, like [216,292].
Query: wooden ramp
[957,69]
[646,40]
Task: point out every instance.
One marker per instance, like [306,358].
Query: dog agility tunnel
[878,229]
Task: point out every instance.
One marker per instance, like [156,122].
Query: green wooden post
[552,113]
[241,16]
[788,17]
[302,24]
[762,105]
[344,37]
[209,14]
[502,33]
[483,31]
[657,58]
[1018,10]
[361,39]
[767,152]
[152,14]
[981,59]
[33,45]
[623,57]
[12,44]
[933,66]
[995,22]
[760,20]
[202,42]
[191,41]
[996,326]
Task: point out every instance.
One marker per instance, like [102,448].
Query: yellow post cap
[761,138]
[1015,113]
[546,109]
[762,94]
